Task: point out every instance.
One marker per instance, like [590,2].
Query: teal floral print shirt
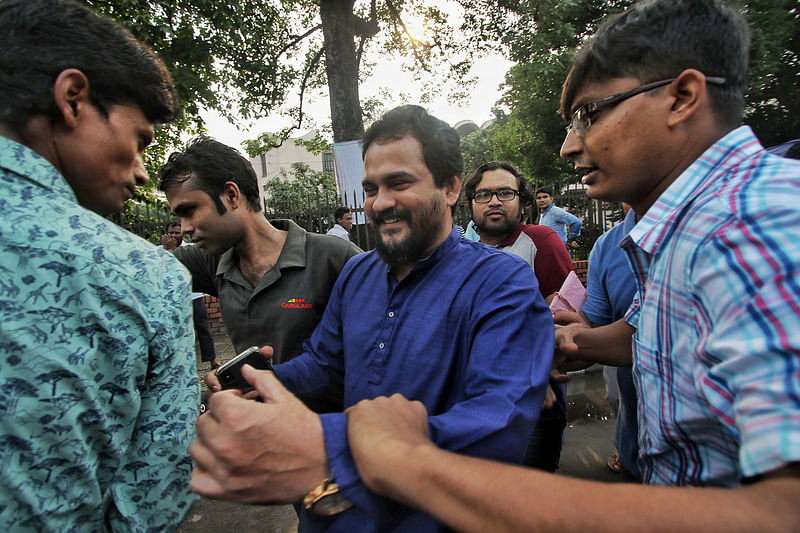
[98,384]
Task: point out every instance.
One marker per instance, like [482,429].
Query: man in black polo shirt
[272,278]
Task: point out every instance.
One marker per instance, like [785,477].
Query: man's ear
[231,196]
[452,189]
[71,95]
[690,94]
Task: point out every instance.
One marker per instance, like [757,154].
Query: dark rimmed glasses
[582,117]
[484,196]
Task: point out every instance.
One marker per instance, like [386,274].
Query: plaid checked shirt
[717,318]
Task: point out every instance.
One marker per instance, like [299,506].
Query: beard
[422,232]
[497,229]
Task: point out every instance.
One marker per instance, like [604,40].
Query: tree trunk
[342,69]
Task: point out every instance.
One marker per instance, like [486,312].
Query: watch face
[330,504]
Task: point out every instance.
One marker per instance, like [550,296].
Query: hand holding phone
[230,373]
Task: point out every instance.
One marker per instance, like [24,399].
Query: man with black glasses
[498,194]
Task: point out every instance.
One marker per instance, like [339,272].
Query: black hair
[211,164]
[341,211]
[658,39]
[171,223]
[441,145]
[524,187]
[39,39]
[545,190]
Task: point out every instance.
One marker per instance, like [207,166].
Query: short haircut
[658,39]
[341,211]
[39,39]
[211,164]
[523,186]
[171,224]
[441,145]
[545,190]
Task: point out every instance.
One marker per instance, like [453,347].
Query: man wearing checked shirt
[654,101]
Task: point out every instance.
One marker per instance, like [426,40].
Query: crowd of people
[418,386]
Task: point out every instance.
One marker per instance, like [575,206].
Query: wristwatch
[325,499]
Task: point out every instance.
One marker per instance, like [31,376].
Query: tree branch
[414,42]
[296,40]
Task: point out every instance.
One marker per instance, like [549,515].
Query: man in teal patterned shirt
[98,387]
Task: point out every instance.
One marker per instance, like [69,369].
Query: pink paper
[571,296]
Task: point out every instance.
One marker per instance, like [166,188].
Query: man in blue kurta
[98,385]
[452,323]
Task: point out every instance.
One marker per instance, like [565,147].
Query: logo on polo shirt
[297,303]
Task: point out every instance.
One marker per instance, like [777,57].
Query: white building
[269,165]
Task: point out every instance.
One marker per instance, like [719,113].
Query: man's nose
[384,199]
[186,226]
[571,145]
[139,172]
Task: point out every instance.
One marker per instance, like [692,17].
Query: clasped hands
[257,452]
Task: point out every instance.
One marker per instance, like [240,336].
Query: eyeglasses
[484,196]
[582,118]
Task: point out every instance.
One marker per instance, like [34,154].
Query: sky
[489,70]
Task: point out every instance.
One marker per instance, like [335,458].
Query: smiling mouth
[585,172]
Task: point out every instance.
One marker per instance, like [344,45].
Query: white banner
[349,174]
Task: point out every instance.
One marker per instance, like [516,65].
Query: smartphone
[230,373]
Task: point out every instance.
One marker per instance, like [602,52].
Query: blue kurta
[467,333]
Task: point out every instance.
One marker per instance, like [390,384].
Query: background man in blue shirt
[98,384]
[557,219]
[452,323]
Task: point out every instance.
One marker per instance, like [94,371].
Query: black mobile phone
[230,373]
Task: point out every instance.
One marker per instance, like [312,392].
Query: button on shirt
[717,350]
[466,332]
[98,383]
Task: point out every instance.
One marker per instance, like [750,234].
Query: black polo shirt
[288,302]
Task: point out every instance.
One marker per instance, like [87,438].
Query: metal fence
[147,221]
[317,216]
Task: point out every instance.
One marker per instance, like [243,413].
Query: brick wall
[581,269]
[215,323]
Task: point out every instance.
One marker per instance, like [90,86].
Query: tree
[773,89]
[478,147]
[245,58]
[542,38]
[306,186]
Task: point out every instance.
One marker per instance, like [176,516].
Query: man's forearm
[470,494]
[606,345]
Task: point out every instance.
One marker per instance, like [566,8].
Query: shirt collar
[21,160]
[713,167]
[293,253]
